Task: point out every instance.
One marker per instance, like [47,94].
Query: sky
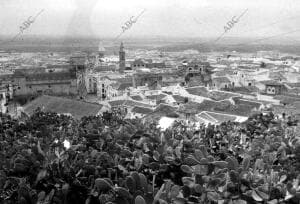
[170,18]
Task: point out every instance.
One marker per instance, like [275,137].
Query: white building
[3,100]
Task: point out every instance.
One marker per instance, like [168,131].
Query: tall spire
[121,58]
[121,47]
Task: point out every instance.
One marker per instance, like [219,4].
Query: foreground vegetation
[50,158]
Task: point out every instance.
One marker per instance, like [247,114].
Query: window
[249,84]
[49,86]
[232,83]
[30,87]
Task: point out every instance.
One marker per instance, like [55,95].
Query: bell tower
[121,58]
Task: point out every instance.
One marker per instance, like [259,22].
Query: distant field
[43,44]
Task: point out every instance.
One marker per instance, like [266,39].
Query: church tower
[121,59]
[101,50]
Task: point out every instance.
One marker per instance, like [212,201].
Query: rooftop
[165,109]
[271,83]
[142,110]
[224,72]
[130,103]
[287,99]
[215,117]
[240,101]
[198,91]
[50,76]
[77,109]
[178,98]
[292,85]
[157,97]
[245,89]
[221,95]
[221,80]
[137,98]
[125,85]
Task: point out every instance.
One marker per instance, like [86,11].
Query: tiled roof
[51,76]
[77,109]
[136,103]
[190,107]
[208,105]
[141,110]
[198,91]
[287,99]
[164,108]
[240,101]
[271,83]
[116,103]
[102,68]
[242,109]
[124,80]
[245,89]
[206,117]
[137,98]
[221,95]
[156,97]
[123,86]
[289,84]
[224,72]
[279,109]
[61,66]
[221,80]
[178,98]
[196,81]
[217,117]
[205,105]
[160,111]
[6,77]
[130,103]
[276,75]
[221,117]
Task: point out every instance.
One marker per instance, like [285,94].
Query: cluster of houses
[217,88]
